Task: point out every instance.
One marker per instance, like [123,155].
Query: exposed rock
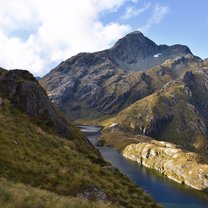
[176,113]
[189,79]
[24,91]
[94,193]
[206,61]
[93,84]
[171,161]
[135,51]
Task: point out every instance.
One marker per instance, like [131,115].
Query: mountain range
[103,83]
[151,100]
[156,90]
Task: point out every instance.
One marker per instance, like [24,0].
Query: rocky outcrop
[135,51]
[94,193]
[25,92]
[189,79]
[170,160]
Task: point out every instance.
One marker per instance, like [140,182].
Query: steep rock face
[97,90]
[173,69]
[171,161]
[93,84]
[24,91]
[135,51]
[198,83]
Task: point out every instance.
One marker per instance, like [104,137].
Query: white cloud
[133,11]
[159,12]
[18,54]
[38,34]
[61,28]
[16,14]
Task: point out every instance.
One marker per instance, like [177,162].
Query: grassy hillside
[169,114]
[19,195]
[32,154]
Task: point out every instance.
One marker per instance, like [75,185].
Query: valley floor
[168,159]
[167,192]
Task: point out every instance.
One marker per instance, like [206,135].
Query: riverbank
[168,159]
[171,161]
[132,196]
[167,192]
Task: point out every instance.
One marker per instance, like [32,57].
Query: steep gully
[169,193]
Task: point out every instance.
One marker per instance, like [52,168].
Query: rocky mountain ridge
[105,82]
[137,52]
[148,90]
[176,113]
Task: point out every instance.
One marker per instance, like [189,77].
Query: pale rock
[168,159]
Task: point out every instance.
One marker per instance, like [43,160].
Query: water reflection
[162,189]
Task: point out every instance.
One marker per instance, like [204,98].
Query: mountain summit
[105,82]
[137,52]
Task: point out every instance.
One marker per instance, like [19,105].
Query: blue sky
[185,22]
[38,34]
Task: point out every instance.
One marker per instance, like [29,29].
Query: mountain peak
[137,52]
[132,39]
[134,33]
[132,48]
[100,82]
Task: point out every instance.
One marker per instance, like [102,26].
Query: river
[165,191]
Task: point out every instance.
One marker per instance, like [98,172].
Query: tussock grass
[32,154]
[21,196]
[176,101]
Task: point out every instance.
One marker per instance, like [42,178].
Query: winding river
[165,191]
